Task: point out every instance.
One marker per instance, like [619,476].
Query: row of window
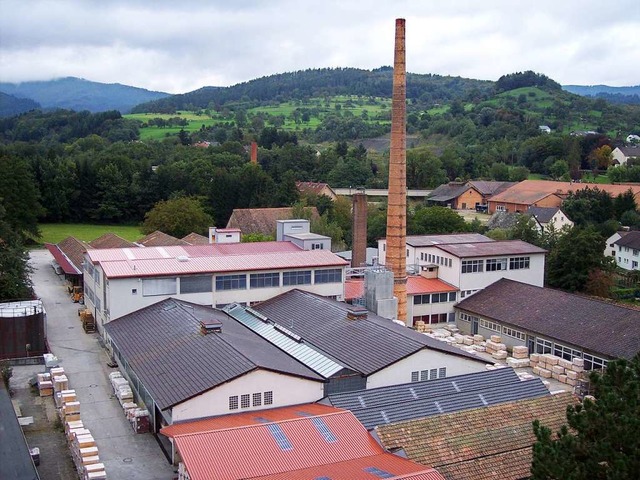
[465,317]
[467,293]
[626,249]
[493,326]
[431,374]
[203,283]
[247,400]
[436,318]
[437,259]
[434,298]
[591,362]
[495,264]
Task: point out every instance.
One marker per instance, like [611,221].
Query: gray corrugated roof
[175,362]
[299,350]
[398,403]
[594,325]
[365,346]
[447,192]
[449,239]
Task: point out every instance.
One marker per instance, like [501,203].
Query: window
[433,374]
[420,299]
[430,258]
[244,401]
[566,352]
[472,266]
[543,346]
[463,293]
[430,374]
[264,280]
[96,275]
[415,376]
[439,297]
[442,372]
[465,317]
[450,262]
[501,208]
[231,282]
[98,307]
[233,402]
[257,399]
[159,286]
[134,291]
[518,263]
[196,284]
[333,275]
[268,398]
[496,264]
[636,252]
[510,332]
[301,277]
[634,264]
[438,318]
[593,363]
[490,325]
[317,246]
[453,296]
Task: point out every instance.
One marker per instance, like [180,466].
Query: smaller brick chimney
[254,153]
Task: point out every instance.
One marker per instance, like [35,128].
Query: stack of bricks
[519,357]
[420,326]
[496,348]
[552,366]
[479,345]
[45,385]
[84,452]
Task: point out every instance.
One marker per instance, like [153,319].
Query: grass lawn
[56,232]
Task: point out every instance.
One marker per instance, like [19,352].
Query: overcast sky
[178,46]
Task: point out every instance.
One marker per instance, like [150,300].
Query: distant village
[426,358]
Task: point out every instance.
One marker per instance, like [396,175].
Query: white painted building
[627,251]
[121,281]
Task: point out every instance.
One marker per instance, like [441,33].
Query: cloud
[180,46]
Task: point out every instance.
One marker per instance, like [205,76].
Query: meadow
[56,232]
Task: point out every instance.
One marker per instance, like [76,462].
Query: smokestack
[254,153]
[359,237]
[397,211]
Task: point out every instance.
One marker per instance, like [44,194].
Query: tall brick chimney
[397,211]
[359,237]
[254,153]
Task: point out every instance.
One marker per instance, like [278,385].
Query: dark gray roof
[175,362]
[365,345]
[397,403]
[633,151]
[543,214]
[449,239]
[490,188]
[594,325]
[503,247]
[448,192]
[15,459]
[631,239]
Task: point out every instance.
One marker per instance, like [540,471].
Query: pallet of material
[518,362]
[499,354]
[56,371]
[520,352]
[60,382]
[45,388]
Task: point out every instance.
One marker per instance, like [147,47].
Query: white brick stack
[551,366]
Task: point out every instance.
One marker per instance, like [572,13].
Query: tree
[526,230]
[178,217]
[601,441]
[623,203]
[431,220]
[576,254]
[559,169]
[600,159]
[14,264]
[499,172]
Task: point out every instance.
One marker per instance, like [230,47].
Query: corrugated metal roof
[491,249]
[163,345]
[294,448]
[417,285]
[285,341]
[365,345]
[220,264]
[249,418]
[398,403]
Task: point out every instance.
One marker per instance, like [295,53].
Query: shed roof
[496,436]
[160,239]
[196,239]
[74,250]
[397,403]
[491,249]
[192,363]
[63,260]
[111,240]
[365,345]
[263,220]
[332,445]
[568,318]
[631,240]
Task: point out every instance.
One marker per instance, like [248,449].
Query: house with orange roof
[316,189]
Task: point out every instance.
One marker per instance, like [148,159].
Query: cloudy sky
[179,46]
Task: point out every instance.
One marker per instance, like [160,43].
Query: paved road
[125,454]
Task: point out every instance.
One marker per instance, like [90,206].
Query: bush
[6,372]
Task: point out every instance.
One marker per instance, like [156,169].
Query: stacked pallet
[45,385]
[88,321]
[420,326]
[519,357]
[496,348]
[138,417]
[552,366]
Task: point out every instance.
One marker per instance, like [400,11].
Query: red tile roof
[111,240]
[248,418]
[315,188]
[417,285]
[263,220]
[64,262]
[196,239]
[160,239]
[334,445]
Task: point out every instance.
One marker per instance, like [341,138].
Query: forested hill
[628,95]
[428,89]
[78,94]
[10,105]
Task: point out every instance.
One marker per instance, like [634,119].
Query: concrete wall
[400,372]
[534,275]
[287,390]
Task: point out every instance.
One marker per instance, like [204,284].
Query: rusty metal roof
[491,249]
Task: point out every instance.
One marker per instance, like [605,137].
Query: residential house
[544,193]
[328,443]
[120,281]
[425,397]
[627,251]
[549,216]
[316,189]
[552,321]
[621,155]
[544,129]
[263,220]
[487,443]
[633,139]
[610,248]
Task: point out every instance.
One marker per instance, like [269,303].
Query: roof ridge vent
[257,314]
[182,258]
[210,325]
